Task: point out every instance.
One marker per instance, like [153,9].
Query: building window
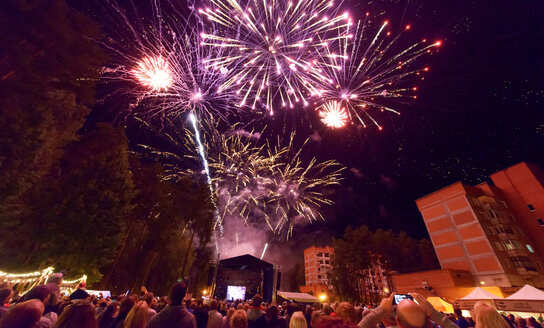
[531,207]
[530,248]
[523,262]
[318,277]
[540,221]
[508,245]
[499,246]
[326,254]
[503,229]
[326,262]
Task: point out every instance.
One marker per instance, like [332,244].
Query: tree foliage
[69,196]
[165,218]
[356,251]
[48,65]
[76,215]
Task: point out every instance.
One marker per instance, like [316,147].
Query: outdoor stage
[246,275]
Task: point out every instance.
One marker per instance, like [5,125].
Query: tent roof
[440,304]
[298,297]
[527,293]
[480,294]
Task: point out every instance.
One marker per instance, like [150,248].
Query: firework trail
[264,250]
[363,71]
[275,45]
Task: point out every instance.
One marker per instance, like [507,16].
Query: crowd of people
[45,307]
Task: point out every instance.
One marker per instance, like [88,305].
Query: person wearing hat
[80,293]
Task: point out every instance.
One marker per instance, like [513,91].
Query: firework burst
[154,73]
[364,71]
[159,64]
[298,187]
[275,46]
[333,114]
[253,182]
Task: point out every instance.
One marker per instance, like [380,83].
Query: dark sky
[478,110]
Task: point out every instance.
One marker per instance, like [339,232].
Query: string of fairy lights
[35,276]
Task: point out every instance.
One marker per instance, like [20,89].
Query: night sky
[478,110]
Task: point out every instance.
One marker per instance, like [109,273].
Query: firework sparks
[275,46]
[154,73]
[363,72]
[165,58]
[259,185]
[333,114]
[299,185]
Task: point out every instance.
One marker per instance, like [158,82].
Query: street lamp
[322,297]
[204,292]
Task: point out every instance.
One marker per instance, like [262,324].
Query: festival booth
[527,299]
[477,295]
[440,305]
[298,297]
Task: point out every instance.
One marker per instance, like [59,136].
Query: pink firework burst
[333,114]
[154,73]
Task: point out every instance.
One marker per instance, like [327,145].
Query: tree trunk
[106,279]
[148,269]
[187,254]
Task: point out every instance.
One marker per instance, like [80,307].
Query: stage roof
[245,262]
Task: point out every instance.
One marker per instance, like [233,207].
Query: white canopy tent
[480,294]
[527,299]
[477,295]
[527,293]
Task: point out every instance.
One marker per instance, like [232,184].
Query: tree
[77,216]
[356,251]
[167,219]
[48,68]
[48,65]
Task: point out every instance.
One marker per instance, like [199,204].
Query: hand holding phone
[400,297]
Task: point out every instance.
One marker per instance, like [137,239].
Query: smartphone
[400,297]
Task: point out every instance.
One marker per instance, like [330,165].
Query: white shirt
[215,319]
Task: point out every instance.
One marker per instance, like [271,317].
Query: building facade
[317,265]
[479,229]
[522,186]
[375,282]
